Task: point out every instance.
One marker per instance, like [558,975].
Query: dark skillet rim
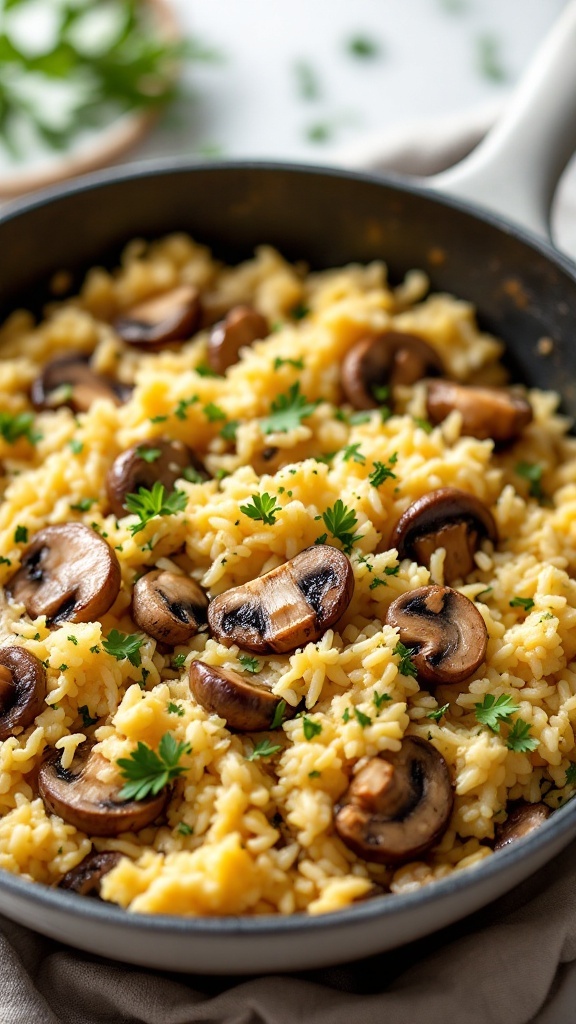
[561,822]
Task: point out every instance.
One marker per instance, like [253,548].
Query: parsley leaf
[311,728]
[389,570]
[571,774]
[380,699]
[13,426]
[265,748]
[250,664]
[75,446]
[213,413]
[83,505]
[438,713]
[192,475]
[522,602]
[352,451]
[363,719]
[124,645]
[203,370]
[287,411]
[340,521]
[149,772]
[382,472]
[532,472]
[519,738]
[148,454]
[178,660]
[183,405]
[493,710]
[87,719]
[298,364]
[263,508]
[183,829]
[346,715]
[229,429]
[424,425]
[175,709]
[149,504]
[21,535]
[406,666]
[278,715]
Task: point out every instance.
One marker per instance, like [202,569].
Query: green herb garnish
[352,451]
[13,426]
[87,719]
[571,774]
[380,699]
[363,47]
[75,446]
[83,505]
[522,602]
[178,660]
[183,829]
[265,748]
[213,412]
[287,411]
[149,504]
[149,772]
[298,364]
[340,521]
[389,570]
[124,645]
[21,535]
[183,405]
[438,713]
[229,429]
[311,728]
[250,664]
[406,666]
[148,454]
[519,739]
[361,718]
[263,508]
[382,471]
[532,472]
[278,715]
[494,710]
[175,709]
[203,370]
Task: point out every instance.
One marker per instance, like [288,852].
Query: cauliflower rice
[244,836]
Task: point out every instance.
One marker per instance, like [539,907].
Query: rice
[256,836]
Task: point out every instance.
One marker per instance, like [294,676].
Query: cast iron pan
[523,290]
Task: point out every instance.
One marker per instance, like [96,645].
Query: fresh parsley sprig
[519,739]
[149,504]
[124,645]
[263,508]
[265,748]
[406,666]
[287,411]
[532,472]
[383,471]
[340,521]
[13,426]
[494,710]
[148,772]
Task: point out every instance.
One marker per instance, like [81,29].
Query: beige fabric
[513,963]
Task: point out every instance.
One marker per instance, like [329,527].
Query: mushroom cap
[444,629]
[446,518]
[522,819]
[68,573]
[130,470]
[239,328]
[497,413]
[86,877]
[22,689]
[69,380]
[398,805]
[168,606]
[288,606]
[80,798]
[392,358]
[246,705]
[159,321]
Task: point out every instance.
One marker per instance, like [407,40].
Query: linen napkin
[511,963]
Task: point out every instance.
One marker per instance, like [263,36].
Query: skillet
[524,291]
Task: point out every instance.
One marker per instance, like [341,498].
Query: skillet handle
[514,171]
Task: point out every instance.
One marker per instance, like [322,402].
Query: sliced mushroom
[522,819]
[242,326]
[447,518]
[86,877]
[169,607]
[398,805]
[143,464]
[445,631]
[70,381]
[498,413]
[246,705]
[22,689]
[68,573]
[161,320]
[386,359]
[288,606]
[81,798]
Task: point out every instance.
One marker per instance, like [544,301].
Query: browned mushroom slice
[386,359]
[444,630]
[240,328]
[246,705]
[398,805]
[22,689]
[288,606]
[522,819]
[70,381]
[68,573]
[169,607]
[497,413]
[172,316]
[80,798]
[145,463]
[86,877]
[447,518]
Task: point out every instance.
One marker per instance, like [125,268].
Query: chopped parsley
[178,660]
[263,508]
[213,412]
[95,649]
[229,429]
[389,570]
[532,472]
[438,713]
[180,410]
[278,715]
[149,504]
[192,475]
[383,471]
[250,664]
[87,719]
[486,591]
[63,668]
[203,370]
[75,446]
[340,521]
[311,728]
[148,772]
[321,131]
[424,425]
[362,47]
[352,451]
[298,364]
[519,739]
[160,419]
[299,311]
[13,426]
[148,454]
[381,393]
[21,535]
[522,602]
[287,411]
[183,829]
[175,709]
[494,710]
[315,774]
[73,639]
[571,774]
[84,505]
[380,698]
[406,666]
[265,748]
[346,715]
[124,645]
[5,561]
[361,718]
